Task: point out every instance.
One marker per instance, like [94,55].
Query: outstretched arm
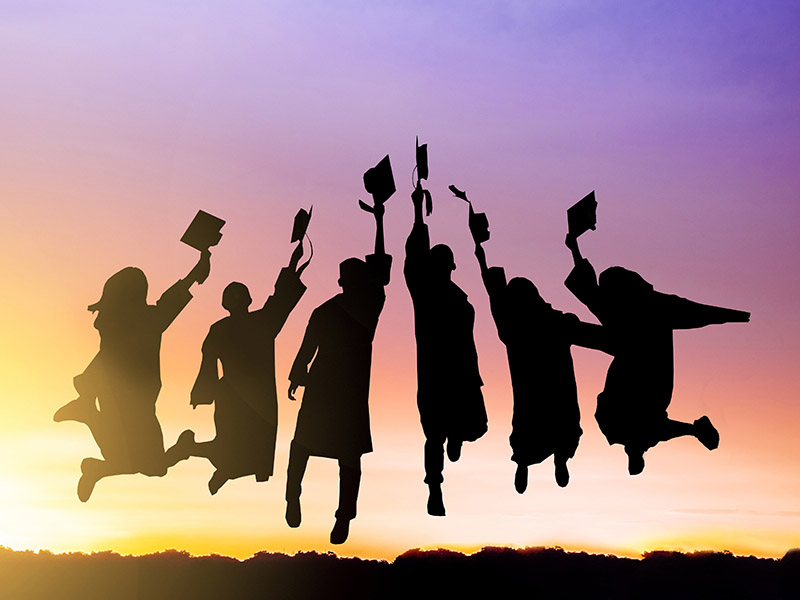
[686,314]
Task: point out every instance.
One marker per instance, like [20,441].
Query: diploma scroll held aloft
[203,232]
[582,215]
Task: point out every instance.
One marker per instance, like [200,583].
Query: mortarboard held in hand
[582,216]
[478,222]
[203,232]
[299,229]
[301,220]
[379,182]
[422,161]
[422,173]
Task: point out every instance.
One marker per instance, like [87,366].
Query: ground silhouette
[492,572]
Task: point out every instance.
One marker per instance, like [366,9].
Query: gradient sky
[119,121]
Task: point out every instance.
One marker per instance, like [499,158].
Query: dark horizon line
[792,553]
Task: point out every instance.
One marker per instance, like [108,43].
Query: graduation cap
[582,215]
[422,160]
[301,220]
[204,231]
[478,222]
[379,181]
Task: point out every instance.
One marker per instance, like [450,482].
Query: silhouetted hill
[490,573]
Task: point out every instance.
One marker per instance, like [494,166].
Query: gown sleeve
[288,291]
[298,374]
[582,282]
[172,302]
[205,386]
[418,246]
[686,314]
[494,280]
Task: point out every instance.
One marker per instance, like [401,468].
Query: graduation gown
[632,408]
[333,420]
[246,402]
[449,384]
[546,416]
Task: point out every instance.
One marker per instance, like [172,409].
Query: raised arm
[177,296]
[417,197]
[480,254]
[418,243]
[572,243]
[582,282]
[297,254]
[378,211]
[288,291]
[200,271]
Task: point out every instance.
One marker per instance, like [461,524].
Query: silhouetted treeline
[529,573]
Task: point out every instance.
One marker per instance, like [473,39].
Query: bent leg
[92,471]
[182,449]
[673,429]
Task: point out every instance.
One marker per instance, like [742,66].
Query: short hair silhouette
[243,393]
[236,296]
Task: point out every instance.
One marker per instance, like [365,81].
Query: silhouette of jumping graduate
[449,397]
[246,403]
[538,338]
[333,420]
[632,408]
[119,388]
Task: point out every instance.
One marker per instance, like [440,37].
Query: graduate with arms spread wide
[632,408]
